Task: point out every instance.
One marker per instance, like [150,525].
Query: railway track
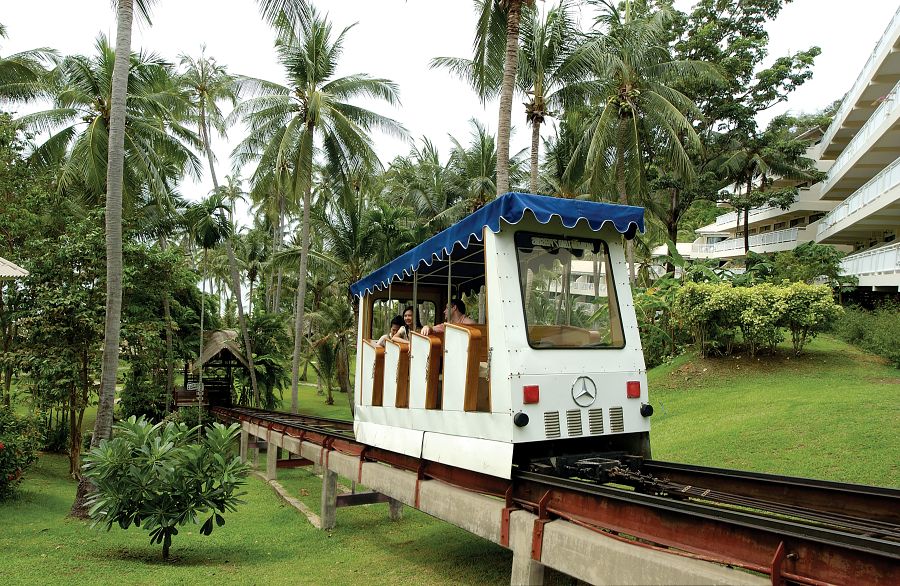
[796,530]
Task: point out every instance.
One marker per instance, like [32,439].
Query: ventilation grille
[551,424]
[595,421]
[573,422]
[616,420]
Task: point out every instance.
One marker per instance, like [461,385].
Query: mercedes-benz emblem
[584,391]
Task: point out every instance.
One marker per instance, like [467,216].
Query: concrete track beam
[599,559]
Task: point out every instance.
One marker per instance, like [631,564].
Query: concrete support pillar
[245,440]
[524,569]
[396,509]
[329,499]
[254,454]
[271,461]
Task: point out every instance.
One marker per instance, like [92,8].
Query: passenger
[455,314]
[408,322]
[394,334]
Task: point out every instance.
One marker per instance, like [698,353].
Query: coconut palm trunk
[114,173]
[535,151]
[170,356]
[510,64]
[622,188]
[232,261]
[300,307]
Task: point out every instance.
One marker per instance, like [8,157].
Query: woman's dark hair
[398,321]
[418,324]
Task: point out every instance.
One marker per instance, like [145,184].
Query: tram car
[547,360]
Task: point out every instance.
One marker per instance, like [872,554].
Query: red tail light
[633,389]
[531,394]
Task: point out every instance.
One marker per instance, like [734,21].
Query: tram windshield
[568,292]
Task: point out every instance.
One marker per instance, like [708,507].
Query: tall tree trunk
[535,151]
[276,304]
[170,355]
[622,188]
[299,305]
[8,335]
[232,263]
[114,170]
[672,226]
[200,351]
[746,230]
[510,64]
[747,218]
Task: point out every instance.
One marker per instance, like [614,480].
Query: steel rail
[841,498]
[865,526]
[788,550]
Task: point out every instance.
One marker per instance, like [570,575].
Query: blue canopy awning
[511,209]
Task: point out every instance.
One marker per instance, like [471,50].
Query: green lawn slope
[831,413]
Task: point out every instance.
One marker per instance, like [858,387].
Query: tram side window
[383,310]
[568,292]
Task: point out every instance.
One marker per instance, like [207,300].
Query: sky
[396,39]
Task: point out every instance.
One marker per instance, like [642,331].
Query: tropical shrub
[712,313]
[761,313]
[20,439]
[874,331]
[717,313]
[655,324]
[157,477]
[808,309]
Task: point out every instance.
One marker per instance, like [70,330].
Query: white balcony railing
[877,186]
[767,239]
[861,81]
[730,219]
[885,110]
[872,262]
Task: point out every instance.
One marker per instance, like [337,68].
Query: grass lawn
[265,542]
[831,413]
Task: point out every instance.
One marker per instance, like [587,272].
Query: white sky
[397,38]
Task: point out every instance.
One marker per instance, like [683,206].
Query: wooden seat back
[401,382]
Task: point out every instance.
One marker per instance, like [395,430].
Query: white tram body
[554,365]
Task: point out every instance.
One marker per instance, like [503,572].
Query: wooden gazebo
[221,356]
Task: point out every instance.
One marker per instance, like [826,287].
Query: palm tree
[756,160]
[284,122]
[546,45]
[492,69]
[23,75]
[209,84]
[114,184]
[629,73]
[156,144]
[116,153]
[475,172]
[208,228]
[421,183]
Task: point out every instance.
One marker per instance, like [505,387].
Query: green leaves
[152,476]
[717,312]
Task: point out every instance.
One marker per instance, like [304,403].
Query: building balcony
[777,241]
[872,208]
[874,81]
[872,148]
[878,268]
